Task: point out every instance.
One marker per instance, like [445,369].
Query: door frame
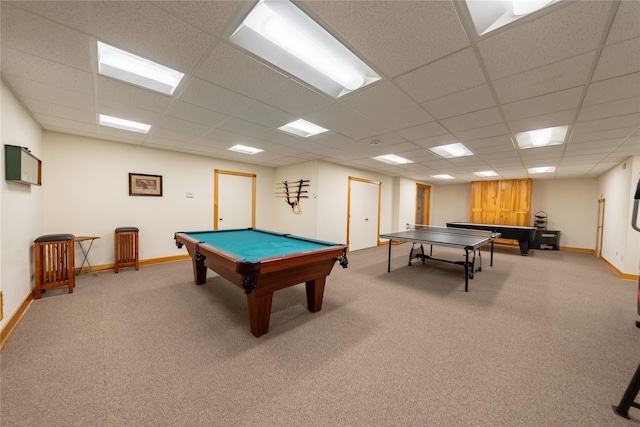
[426,203]
[366,181]
[600,228]
[217,172]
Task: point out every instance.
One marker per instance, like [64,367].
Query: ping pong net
[451,230]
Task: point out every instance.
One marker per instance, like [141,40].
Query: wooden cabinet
[505,202]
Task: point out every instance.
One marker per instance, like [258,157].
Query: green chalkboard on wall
[21,166]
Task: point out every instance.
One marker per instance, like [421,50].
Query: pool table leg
[315,293]
[199,269]
[259,312]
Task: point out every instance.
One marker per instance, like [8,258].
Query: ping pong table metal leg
[466,270]
[491,262]
[627,399]
[389,261]
[417,253]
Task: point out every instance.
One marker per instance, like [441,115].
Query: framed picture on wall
[145,185]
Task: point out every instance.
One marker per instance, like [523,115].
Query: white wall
[632,260]
[21,208]
[404,203]
[305,223]
[620,243]
[450,203]
[86,193]
[333,188]
[571,206]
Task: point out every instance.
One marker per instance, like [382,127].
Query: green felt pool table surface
[255,244]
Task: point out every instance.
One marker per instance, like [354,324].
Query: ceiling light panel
[392,159]
[489,15]
[244,149]
[125,66]
[451,150]
[442,176]
[542,169]
[302,128]
[542,137]
[123,124]
[283,35]
[484,174]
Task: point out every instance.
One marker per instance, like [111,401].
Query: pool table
[261,262]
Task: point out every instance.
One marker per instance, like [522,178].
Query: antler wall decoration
[292,192]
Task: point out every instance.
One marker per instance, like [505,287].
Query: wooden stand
[126,248]
[54,260]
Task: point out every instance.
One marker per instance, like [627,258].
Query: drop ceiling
[574,63]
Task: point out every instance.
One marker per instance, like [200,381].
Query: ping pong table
[470,240]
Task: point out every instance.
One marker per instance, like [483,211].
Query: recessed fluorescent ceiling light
[486,173]
[451,150]
[302,128]
[280,33]
[133,69]
[123,124]
[392,159]
[542,169]
[244,149]
[444,176]
[542,137]
[489,15]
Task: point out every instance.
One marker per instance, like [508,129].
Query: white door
[234,200]
[364,212]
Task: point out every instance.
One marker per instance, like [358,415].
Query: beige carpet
[543,340]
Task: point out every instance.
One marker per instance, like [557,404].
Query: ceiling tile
[40,37]
[540,105]
[596,135]
[388,106]
[423,31]
[126,94]
[193,113]
[228,67]
[428,130]
[343,120]
[265,115]
[483,132]
[610,109]
[466,101]
[444,77]
[209,16]
[613,89]
[50,94]
[477,119]
[619,59]
[50,73]
[296,99]
[213,97]
[627,22]
[145,30]
[558,76]
[570,31]
[609,123]
[560,118]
